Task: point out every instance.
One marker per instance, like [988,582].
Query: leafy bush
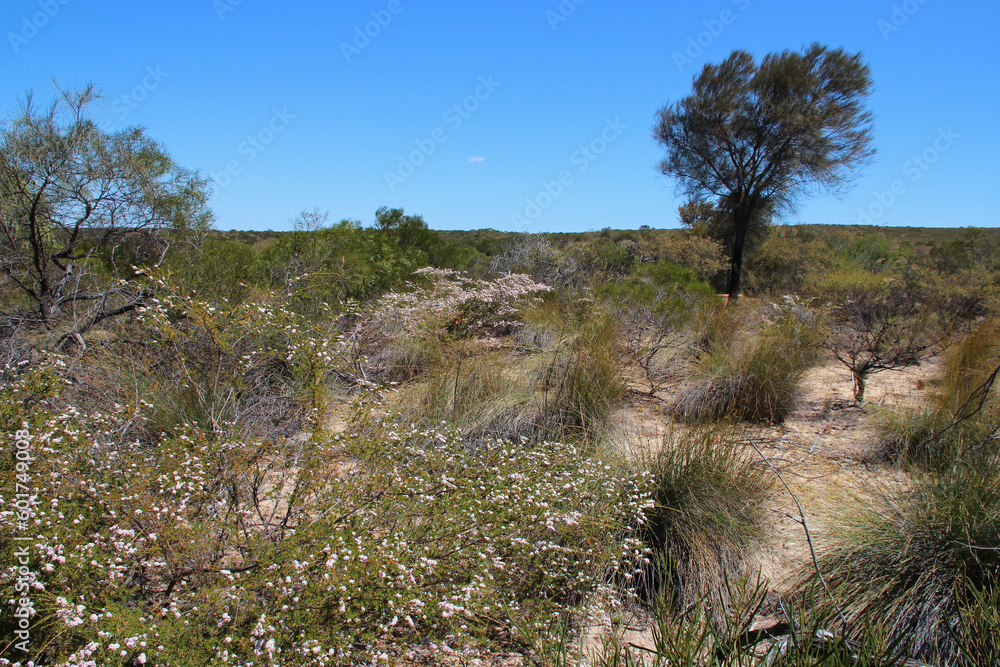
[224,270]
[748,375]
[328,264]
[702,255]
[787,260]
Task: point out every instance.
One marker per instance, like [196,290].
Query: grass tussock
[746,374]
[708,521]
[565,390]
[962,416]
[918,560]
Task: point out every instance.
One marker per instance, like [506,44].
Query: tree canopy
[71,197]
[754,138]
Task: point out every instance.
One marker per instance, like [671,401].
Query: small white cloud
[477,158]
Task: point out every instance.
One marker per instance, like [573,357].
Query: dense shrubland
[342,443]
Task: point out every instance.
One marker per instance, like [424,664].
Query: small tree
[72,198]
[753,138]
[877,327]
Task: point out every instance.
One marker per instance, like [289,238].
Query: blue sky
[528,116]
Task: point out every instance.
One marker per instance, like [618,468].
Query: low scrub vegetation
[708,521]
[921,559]
[353,444]
[963,417]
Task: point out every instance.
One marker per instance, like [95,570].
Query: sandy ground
[819,451]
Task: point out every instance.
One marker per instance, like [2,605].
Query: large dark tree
[754,138]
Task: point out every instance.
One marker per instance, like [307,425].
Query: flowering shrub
[459,304]
[208,549]
[255,368]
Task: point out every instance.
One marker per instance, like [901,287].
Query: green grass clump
[748,375]
[918,556]
[927,438]
[708,522]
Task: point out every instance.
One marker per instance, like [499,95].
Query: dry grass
[915,554]
[748,375]
[961,417]
[564,390]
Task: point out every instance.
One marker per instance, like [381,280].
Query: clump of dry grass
[566,390]
[747,374]
[961,418]
[917,558]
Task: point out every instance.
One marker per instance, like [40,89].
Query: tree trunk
[741,223]
[859,385]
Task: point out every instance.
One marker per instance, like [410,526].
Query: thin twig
[805,527]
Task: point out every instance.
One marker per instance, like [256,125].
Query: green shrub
[302,551]
[223,270]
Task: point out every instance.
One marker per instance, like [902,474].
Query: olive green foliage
[787,259]
[701,254]
[753,136]
[705,220]
[80,208]
[211,547]
[606,256]
[223,268]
